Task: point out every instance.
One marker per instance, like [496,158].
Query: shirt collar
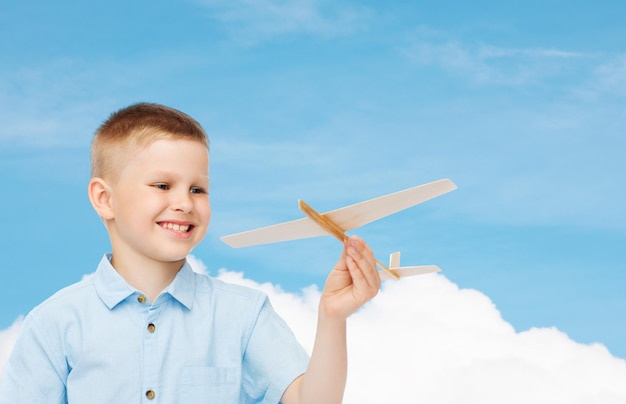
[183,287]
[110,285]
[113,289]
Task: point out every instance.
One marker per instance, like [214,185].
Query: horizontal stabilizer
[409,271]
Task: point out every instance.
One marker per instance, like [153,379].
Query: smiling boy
[146,328]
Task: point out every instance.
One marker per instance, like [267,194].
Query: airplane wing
[409,271]
[348,218]
[293,230]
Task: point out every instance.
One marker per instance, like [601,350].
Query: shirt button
[141,299]
[150,394]
[151,327]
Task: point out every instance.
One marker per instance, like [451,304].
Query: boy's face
[160,202]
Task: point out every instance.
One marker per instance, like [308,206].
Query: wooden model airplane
[338,221]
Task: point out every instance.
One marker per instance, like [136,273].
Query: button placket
[151,357]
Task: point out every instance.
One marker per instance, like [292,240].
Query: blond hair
[134,127]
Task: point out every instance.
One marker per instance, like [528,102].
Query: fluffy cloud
[423,339]
[7,340]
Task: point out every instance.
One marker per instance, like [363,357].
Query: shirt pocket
[209,385]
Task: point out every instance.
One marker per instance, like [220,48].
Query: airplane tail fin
[394,264]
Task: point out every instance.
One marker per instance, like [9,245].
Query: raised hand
[353,281]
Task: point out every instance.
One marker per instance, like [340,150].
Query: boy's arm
[352,283]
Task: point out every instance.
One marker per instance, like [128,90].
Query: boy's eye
[161,186]
[197,190]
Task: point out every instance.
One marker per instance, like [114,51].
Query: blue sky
[521,104]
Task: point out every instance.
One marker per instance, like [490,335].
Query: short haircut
[134,127]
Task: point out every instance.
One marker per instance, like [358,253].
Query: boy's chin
[176,259]
[171,258]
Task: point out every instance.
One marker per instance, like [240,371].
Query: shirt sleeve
[273,358]
[35,372]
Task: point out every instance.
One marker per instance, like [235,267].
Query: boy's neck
[148,276]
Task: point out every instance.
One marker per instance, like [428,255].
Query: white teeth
[176,227]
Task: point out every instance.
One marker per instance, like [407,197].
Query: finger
[360,284]
[364,260]
[341,263]
[368,263]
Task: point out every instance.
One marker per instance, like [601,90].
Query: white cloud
[47,106]
[607,79]
[196,264]
[423,339]
[30,104]
[487,64]
[7,341]
[255,20]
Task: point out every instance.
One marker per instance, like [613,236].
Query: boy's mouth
[183,228]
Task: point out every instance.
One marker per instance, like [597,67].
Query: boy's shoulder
[72,292]
[65,304]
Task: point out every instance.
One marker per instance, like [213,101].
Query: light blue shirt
[201,341]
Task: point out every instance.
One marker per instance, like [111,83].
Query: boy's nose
[182,202]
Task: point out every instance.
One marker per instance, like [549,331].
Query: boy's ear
[100,197]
